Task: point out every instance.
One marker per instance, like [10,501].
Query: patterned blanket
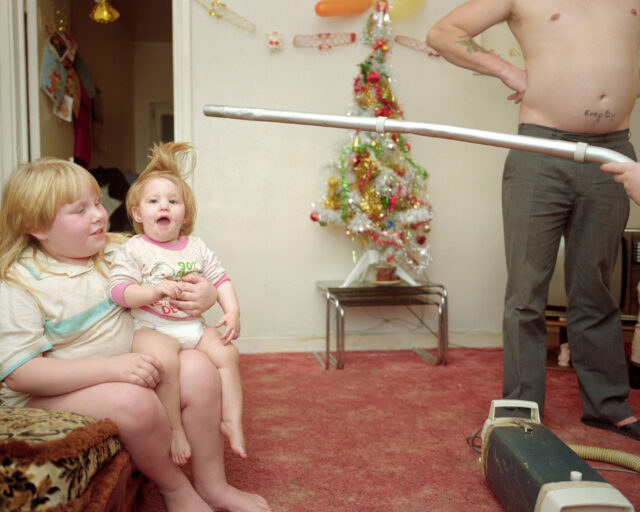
[48,458]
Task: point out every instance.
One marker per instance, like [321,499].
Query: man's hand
[516,79]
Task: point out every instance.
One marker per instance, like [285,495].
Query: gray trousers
[543,198]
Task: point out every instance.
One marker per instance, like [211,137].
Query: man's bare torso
[582,62]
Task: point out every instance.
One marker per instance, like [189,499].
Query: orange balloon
[326,8]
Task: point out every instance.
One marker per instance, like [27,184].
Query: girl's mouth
[98,233]
[163,221]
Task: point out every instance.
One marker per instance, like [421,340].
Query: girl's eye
[173,201]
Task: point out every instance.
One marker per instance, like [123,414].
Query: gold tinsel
[332,199]
[370,202]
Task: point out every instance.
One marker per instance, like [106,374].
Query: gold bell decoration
[103,12]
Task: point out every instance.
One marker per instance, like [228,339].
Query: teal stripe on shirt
[81,321]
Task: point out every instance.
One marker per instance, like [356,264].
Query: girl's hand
[232,331]
[197,295]
[140,369]
[167,288]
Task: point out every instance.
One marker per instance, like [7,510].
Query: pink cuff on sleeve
[117,294]
[223,279]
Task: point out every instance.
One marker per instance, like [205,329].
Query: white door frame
[20,125]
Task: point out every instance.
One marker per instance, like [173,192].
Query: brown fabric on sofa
[63,462]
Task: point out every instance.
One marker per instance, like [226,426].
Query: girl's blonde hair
[174,161]
[31,198]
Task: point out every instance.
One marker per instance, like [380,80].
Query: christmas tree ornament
[103,12]
[219,10]
[324,41]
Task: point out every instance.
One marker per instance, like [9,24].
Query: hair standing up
[174,161]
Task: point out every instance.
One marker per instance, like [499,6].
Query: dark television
[624,281]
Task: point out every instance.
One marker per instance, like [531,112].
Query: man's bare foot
[234,500]
[235,435]
[180,447]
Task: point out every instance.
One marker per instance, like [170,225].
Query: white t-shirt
[64,311]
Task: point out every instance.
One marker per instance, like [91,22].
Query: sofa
[59,461]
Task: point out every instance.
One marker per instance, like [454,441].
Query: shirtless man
[580,84]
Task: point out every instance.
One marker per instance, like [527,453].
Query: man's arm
[453,35]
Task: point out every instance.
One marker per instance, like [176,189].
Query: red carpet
[388,433]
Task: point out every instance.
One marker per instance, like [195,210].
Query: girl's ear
[135,213]
[39,235]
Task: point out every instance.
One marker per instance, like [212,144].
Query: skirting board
[400,341]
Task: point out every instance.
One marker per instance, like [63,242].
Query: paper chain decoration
[221,11]
[416,44]
[324,41]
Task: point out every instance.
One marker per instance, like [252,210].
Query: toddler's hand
[167,289]
[232,330]
[140,369]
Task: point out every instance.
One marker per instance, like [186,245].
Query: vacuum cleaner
[530,469]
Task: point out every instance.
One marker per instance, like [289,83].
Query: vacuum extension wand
[578,151]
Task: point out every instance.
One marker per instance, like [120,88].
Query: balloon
[327,8]
[404,8]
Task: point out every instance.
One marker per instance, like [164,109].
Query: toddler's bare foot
[234,500]
[233,432]
[183,498]
[180,447]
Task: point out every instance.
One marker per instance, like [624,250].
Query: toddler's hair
[174,161]
[31,198]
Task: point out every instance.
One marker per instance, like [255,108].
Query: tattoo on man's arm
[607,114]
[472,47]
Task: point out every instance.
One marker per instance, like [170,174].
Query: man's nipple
[634,12]
[554,17]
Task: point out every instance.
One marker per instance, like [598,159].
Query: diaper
[186,332]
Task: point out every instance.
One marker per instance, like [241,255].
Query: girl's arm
[229,303]
[45,376]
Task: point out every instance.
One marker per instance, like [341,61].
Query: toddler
[146,274]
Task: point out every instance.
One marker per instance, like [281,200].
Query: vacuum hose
[617,457]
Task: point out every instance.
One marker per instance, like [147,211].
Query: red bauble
[422,239]
[373,77]
[314,216]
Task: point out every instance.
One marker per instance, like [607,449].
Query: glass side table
[359,294]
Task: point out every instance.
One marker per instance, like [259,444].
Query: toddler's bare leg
[165,348]
[226,359]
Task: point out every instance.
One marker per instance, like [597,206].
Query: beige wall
[256,181]
[152,83]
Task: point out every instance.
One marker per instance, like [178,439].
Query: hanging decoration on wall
[326,8]
[324,41]
[376,190]
[219,10]
[416,44]
[274,41]
[399,8]
[103,12]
